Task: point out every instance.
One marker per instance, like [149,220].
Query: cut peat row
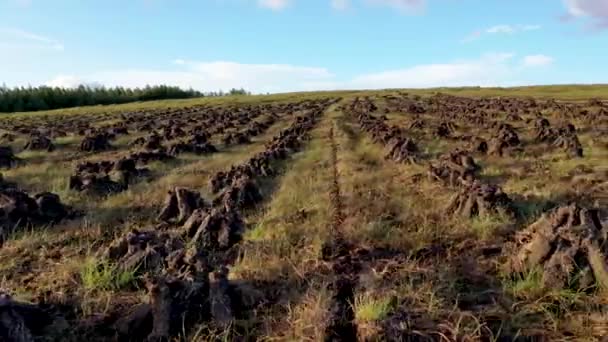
[183,262]
[341,326]
[189,255]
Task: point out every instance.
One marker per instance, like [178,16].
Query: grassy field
[560,92]
[340,229]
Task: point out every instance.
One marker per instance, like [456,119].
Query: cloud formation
[593,12]
[537,61]
[275,5]
[15,37]
[401,5]
[488,70]
[500,29]
[495,69]
[209,76]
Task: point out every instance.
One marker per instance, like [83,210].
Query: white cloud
[497,69]
[275,5]
[340,5]
[211,76]
[67,81]
[489,70]
[595,10]
[537,60]
[179,61]
[500,29]
[510,29]
[402,5]
[21,38]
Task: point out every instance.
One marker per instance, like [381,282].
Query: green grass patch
[101,275]
[370,309]
[485,226]
[525,285]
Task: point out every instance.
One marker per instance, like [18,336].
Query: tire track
[338,252]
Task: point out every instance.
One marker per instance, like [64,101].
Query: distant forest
[44,98]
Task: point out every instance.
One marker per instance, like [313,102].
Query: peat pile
[568,141]
[7,157]
[39,143]
[504,139]
[362,105]
[474,198]
[252,130]
[454,169]
[150,142]
[111,176]
[444,130]
[479,199]
[22,322]
[95,143]
[397,147]
[568,244]
[564,137]
[18,210]
[107,177]
[197,144]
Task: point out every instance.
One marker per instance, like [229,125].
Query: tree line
[22,99]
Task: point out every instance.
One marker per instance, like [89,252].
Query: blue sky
[293,45]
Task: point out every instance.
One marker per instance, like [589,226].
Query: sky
[300,45]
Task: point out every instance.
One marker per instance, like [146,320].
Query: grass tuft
[101,275]
[370,309]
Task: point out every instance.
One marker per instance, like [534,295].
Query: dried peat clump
[417,124]
[18,209]
[192,146]
[21,322]
[237,138]
[363,105]
[454,169]
[215,229]
[94,143]
[505,138]
[39,143]
[100,185]
[397,147]
[401,150]
[479,199]
[7,157]
[564,137]
[543,131]
[177,300]
[179,204]
[7,137]
[183,290]
[444,130]
[568,141]
[478,145]
[568,244]
[150,142]
[106,177]
[142,251]
[242,194]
